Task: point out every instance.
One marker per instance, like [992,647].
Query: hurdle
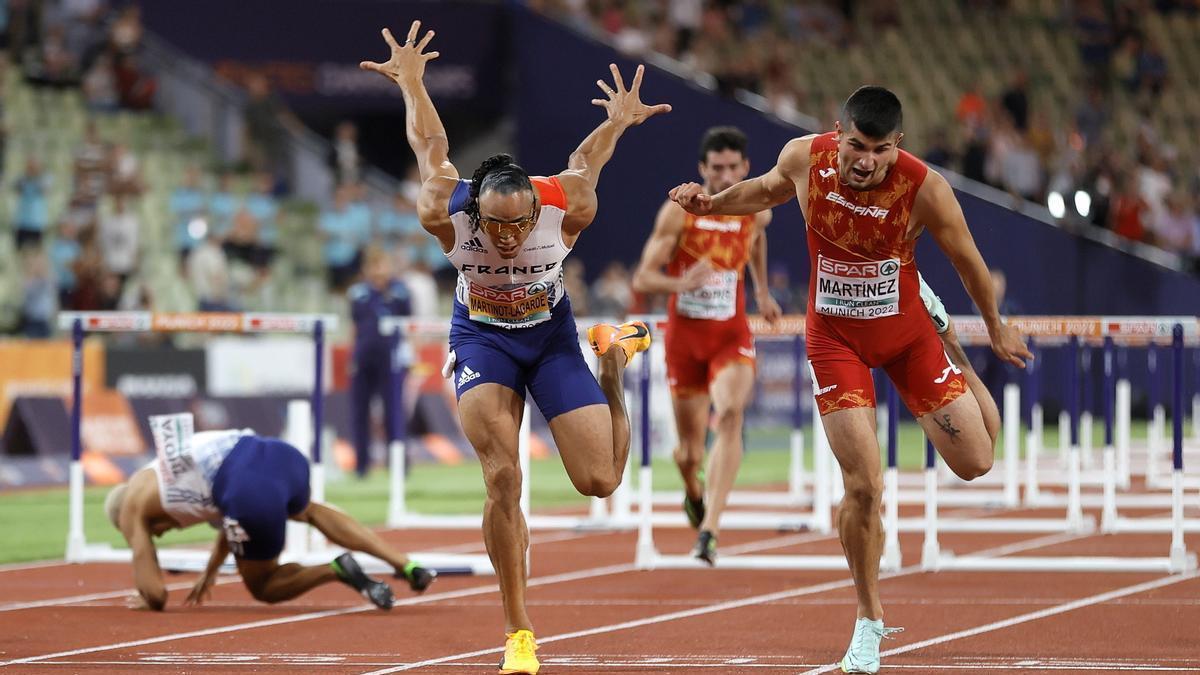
[1178,559]
[79,323]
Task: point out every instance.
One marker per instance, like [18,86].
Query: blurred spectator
[92,168]
[344,233]
[188,206]
[375,362]
[126,172]
[972,107]
[939,151]
[1174,230]
[344,157]
[612,293]
[684,16]
[100,85]
[222,204]
[266,142]
[1151,69]
[780,287]
[135,86]
[63,252]
[262,204]
[575,284]
[39,301]
[1015,100]
[119,238]
[422,288]
[241,243]
[1021,171]
[54,65]
[1129,211]
[33,208]
[1154,184]
[208,272]
[125,36]
[1091,115]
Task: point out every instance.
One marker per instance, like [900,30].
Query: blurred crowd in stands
[1144,191]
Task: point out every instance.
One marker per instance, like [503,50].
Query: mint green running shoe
[863,654]
[933,305]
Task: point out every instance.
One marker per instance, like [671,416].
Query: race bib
[518,307]
[858,290]
[187,465]
[715,300]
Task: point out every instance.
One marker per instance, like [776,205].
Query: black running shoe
[351,574]
[694,510]
[706,547]
[418,577]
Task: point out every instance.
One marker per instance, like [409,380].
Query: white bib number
[715,300]
[858,290]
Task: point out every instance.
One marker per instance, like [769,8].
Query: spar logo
[861,270]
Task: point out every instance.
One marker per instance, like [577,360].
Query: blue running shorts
[260,484]
[544,358]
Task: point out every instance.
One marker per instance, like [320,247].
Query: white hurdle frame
[80,323]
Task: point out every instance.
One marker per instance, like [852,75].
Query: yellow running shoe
[632,336]
[519,654]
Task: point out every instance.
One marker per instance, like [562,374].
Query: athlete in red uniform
[865,202]
[710,351]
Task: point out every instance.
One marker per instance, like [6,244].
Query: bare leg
[691,422]
[730,391]
[348,533]
[268,581]
[852,438]
[491,417]
[987,404]
[958,432]
[611,379]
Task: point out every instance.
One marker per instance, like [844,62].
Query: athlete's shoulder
[460,195]
[796,154]
[912,166]
[550,191]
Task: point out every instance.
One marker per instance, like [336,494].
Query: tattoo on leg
[947,426]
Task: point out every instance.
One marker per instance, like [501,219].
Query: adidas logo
[474,245]
[466,376]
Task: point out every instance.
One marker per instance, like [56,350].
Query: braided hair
[497,173]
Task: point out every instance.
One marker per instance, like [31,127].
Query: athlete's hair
[717,139]
[874,110]
[498,173]
[113,502]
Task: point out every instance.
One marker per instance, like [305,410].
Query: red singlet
[707,328]
[864,304]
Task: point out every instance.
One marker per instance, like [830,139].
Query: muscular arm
[147,577]
[752,195]
[649,276]
[941,214]
[943,217]
[758,256]
[624,109]
[423,127]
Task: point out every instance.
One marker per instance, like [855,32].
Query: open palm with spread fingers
[624,106]
[408,60]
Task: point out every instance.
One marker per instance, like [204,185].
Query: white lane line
[310,616]
[1030,616]
[109,595]
[722,606]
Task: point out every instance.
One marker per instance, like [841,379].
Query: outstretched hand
[625,107]
[1009,345]
[692,198]
[407,63]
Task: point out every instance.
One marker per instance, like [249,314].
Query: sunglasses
[501,228]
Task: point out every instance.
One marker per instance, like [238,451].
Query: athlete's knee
[599,486]
[864,492]
[973,465]
[503,483]
[729,419]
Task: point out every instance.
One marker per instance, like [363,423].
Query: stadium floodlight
[1056,204]
[1083,203]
